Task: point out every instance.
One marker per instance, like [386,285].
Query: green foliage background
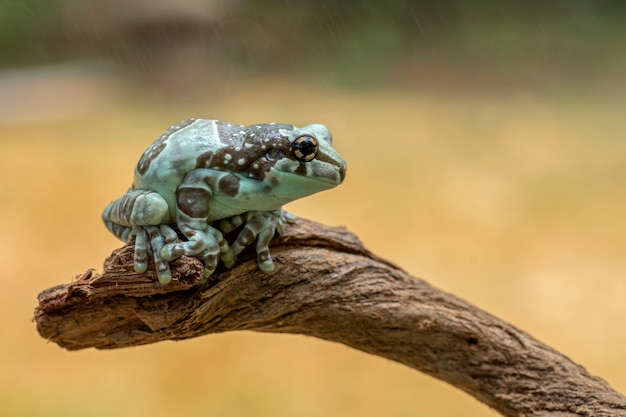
[360,41]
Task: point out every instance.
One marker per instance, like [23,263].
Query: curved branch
[329,286]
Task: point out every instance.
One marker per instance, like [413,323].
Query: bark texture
[329,286]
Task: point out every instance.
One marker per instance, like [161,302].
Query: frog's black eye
[304,148]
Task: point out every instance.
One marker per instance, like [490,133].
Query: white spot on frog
[241,161]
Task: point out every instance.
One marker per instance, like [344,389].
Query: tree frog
[205,178]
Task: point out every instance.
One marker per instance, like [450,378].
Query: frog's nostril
[342,171]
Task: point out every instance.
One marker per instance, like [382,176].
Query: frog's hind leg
[142,214]
[135,208]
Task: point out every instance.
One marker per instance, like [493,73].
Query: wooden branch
[329,286]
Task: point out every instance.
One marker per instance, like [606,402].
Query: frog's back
[168,159]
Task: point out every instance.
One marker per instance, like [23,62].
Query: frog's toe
[229,224]
[171,251]
[169,234]
[164,273]
[157,241]
[226,253]
[140,266]
[210,258]
[245,237]
[207,273]
[288,217]
[264,260]
[175,250]
[228,258]
[283,219]
[267,266]
[142,251]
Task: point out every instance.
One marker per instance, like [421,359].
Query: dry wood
[329,286]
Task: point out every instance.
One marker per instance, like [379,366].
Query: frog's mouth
[330,175]
[321,169]
[289,186]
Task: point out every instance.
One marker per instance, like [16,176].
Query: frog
[203,179]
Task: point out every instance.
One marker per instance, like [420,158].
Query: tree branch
[329,286]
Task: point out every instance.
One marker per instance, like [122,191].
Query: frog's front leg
[260,226]
[193,204]
[229,224]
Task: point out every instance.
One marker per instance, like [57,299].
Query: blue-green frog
[207,178]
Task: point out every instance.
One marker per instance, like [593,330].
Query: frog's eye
[304,148]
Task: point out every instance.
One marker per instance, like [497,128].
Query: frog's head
[309,163]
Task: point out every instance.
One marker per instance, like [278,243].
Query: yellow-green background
[487,155]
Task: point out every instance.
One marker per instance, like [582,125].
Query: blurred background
[487,154]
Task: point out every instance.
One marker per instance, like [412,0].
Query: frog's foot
[149,240]
[260,226]
[229,224]
[207,245]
